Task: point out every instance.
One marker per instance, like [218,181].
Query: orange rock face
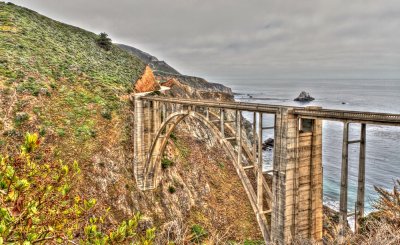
[147,82]
[169,83]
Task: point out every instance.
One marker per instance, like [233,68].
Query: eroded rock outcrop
[268,144]
[147,82]
[304,97]
[170,83]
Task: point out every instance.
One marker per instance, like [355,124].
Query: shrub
[389,204]
[38,204]
[166,163]
[104,41]
[42,132]
[106,114]
[31,87]
[198,233]
[171,189]
[61,132]
[173,137]
[20,118]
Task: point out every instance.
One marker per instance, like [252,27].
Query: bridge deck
[306,112]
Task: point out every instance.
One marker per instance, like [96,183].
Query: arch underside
[153,161]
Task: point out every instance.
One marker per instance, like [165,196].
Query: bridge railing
[325,114]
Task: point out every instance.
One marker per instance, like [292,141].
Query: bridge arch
[160,140]
[148,160]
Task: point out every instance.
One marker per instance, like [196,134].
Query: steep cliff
[55,80]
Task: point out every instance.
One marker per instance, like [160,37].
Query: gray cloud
[223,39]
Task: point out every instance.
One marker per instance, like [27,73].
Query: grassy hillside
[56,80]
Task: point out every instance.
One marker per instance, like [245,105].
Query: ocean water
[383,142]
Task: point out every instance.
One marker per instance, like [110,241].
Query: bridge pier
[297,209]
[139,148]
[146,123]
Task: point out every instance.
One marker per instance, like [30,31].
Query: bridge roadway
[287,200]
[307,112]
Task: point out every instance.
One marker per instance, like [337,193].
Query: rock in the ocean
[304,97]
[268,144]
[147,82]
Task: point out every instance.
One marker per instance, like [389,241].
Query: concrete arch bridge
[287,200]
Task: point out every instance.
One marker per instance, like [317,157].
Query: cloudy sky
[249,39]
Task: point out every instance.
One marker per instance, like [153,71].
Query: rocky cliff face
[196,83]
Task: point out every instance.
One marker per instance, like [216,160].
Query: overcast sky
[249,39]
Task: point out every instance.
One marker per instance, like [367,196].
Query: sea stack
[304,97]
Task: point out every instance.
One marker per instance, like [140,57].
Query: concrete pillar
[139,143]
[344,183]
[297,179]
[146,123]
[309,208]
[156,126]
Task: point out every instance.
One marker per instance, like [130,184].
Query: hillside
[56,81]
[152,61]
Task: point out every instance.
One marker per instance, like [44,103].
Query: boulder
[147,82]
[304,97]
[268,144]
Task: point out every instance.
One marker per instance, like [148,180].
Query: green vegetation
[70,82]
[166,163]
[20,118]
[184,151]
[38,204]
[198,233]
[221,165]
[106,114]
[173,136]
[171,189]
[104,41]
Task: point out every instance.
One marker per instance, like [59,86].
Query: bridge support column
[297,179]
[142,140]
[139,143]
